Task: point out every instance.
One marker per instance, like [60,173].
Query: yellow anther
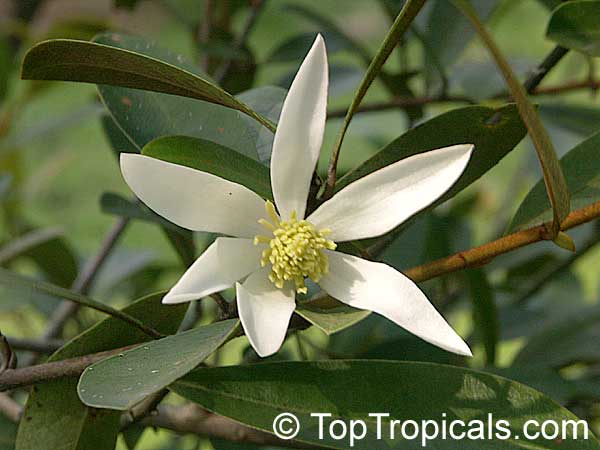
[295,250]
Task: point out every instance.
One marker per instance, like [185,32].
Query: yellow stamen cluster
[295,250]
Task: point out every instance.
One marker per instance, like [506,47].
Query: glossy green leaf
[333,317]
[212,158]
[564,341]
[581,167]
[144,116]
[92,62]
[55,418]
[28,285]
[121,381]
[485,313]
[256,394]
[468,125]
[575,25]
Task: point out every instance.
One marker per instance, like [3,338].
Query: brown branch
[26,376]
[486,252]
[402,102]
[192,419]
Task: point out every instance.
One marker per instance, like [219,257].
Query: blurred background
[61,189]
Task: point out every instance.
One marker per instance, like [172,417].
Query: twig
[554,271]
[10,408]
[544,68]
[486,252]
[401,24]
[26,376]
[81,285]
[256,7]
[34,345]
[204,31]
[190,418]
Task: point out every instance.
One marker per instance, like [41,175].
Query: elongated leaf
[212,158]
[122,381]
[55,418]
[256,394]
[91,62]
[28,285]
[144,116]
[581,167]
[468,125]
[575,25]
[564,341]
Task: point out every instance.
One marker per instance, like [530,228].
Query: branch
[486,252]
[16,378]
[544,68]
[84,281]
[190,418]
[404,102]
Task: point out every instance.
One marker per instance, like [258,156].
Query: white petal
[265,312]
[226,261]
[300,133]
[380,201]
[193,199]
[380,288]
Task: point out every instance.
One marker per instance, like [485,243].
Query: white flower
[274,252]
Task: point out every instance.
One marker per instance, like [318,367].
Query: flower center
[295,250]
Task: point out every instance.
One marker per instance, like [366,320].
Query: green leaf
[27,242]
[54,418]
[212,158]
[485,313]
[92,62]
[331,318]
[575,25]
[468,125]
[581,167]
[564,341]
[121,381]
[144,116]
[256,394]
[28,285]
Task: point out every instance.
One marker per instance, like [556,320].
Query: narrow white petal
[265,312]
[380,201]
[193,199]
[382,289]
[299,133]
[226,261]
